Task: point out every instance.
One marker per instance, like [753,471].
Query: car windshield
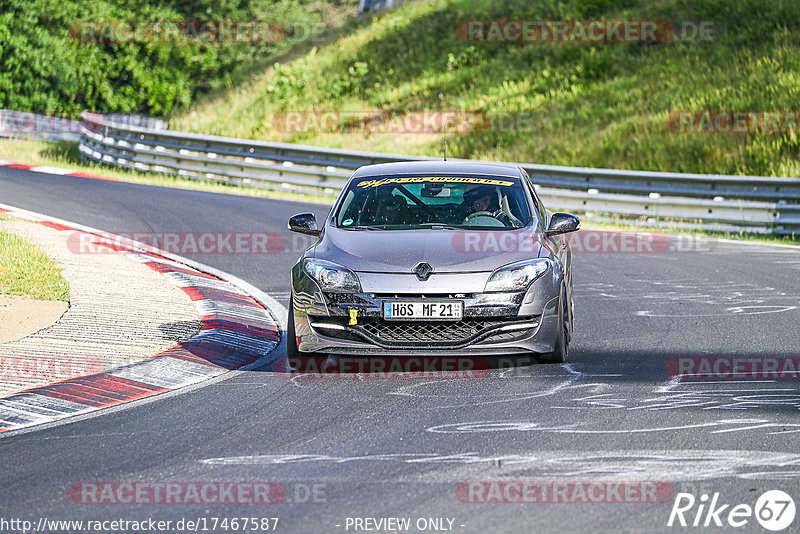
[446,202]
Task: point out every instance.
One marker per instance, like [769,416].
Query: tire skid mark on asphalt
[678,394]
[236,331]
[728,299]
[566,382]
[736,425]
[663,465]
[672,395]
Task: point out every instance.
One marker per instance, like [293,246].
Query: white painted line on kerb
[51,170]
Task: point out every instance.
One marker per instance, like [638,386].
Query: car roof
[437,167]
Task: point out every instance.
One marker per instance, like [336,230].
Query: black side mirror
[304,223]
[562,223]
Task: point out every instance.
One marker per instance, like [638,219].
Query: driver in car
[479,200]
[484,201]
[481,206]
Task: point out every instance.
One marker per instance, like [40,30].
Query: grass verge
[25,270]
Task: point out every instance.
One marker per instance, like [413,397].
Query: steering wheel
[507,219]
[480,214]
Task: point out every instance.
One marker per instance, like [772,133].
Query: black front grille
[408,333]
[392,332]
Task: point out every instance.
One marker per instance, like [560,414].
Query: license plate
[410,310]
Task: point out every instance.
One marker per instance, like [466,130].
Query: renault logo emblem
[423,270]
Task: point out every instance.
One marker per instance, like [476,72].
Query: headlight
[517,276]
[332,277]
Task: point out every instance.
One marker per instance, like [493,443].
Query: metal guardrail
[740,203]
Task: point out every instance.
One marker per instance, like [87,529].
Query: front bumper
[492,324]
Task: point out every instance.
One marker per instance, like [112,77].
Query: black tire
[561,350]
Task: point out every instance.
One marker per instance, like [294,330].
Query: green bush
[45,69]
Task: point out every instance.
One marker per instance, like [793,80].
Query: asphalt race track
[350,448]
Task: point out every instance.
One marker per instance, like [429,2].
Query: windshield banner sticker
[434,179]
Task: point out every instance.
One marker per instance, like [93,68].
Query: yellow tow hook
[353,316]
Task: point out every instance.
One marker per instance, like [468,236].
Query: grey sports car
[435,257]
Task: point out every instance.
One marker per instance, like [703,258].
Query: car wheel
[561,350]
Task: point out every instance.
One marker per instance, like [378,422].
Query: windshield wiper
[439,226]
[363,227]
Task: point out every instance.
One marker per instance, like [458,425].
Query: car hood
[398,251]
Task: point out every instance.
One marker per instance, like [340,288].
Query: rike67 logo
[774,510]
